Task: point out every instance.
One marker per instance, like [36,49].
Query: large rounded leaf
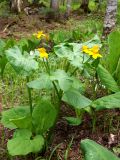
[17,117]
[108,102]
[44,82]
[75,99]
[23,143]
[22,64]
[44,116]
[94,151]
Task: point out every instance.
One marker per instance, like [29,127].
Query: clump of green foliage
[56,79]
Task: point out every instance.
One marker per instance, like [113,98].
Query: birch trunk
[68,8]
[16,5]
[110,17]
[54,5]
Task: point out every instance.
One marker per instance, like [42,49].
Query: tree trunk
[53,14]
[84,6]
[16,5]
[110,17]
[54,5]
[68,8]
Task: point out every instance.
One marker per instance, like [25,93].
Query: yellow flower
[85,49]
[96,55]
[94,51]
[39,34]
[43,53]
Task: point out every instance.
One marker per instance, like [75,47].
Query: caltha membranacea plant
[93,51]
[40,34]
[43,53]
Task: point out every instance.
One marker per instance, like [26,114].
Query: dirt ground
[25,25]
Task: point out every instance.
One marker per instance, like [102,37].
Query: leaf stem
[55,87]
[74,71]
[30,97]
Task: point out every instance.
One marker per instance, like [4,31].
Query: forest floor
[24,25]
[107,129]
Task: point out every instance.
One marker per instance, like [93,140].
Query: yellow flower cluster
[94,51]
[43,53]
[41,34]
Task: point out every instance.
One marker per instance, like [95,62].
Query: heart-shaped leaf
[44,116]
[22,64]
[17,117]
[23,143]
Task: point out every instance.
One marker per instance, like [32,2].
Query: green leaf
[64,50]
[63,79]
[73,51]
[108,102]
[3,60]
[117,73]
[107,79]
[4,45]
[44,116]
[78,85]
[114,51]
[94,151]
[73,121]
[44,82]
[75,99]
[23,122]
[23,44]
[94,41]
[22,64]
[23,143]
[70,51]
[16,117]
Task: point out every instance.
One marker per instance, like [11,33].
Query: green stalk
[55,87]
[67,67]
[30,97]
[74,71]
[57,92]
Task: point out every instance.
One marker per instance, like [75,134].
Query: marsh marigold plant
[94,51]
[40,34]
[43,53]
